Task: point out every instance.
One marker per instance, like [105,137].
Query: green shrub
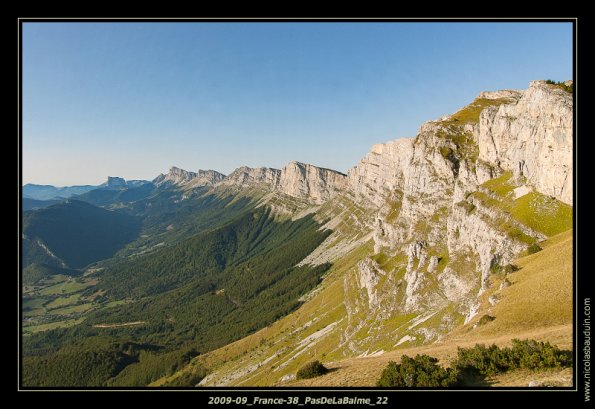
[469,207]
[562,85]
[473,365]
[526,354]
[311,370]
[510,268]
[421,371]
[485,319]
[531,354]
[487,360]
[503,270]
[533,248]
[445,151]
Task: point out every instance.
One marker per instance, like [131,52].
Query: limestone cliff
[446,210]
[424,230]
[460,202]
[381,171]
[245,176]
[183,178]
[296,179]
[449,207]
[308,181]
[533,138]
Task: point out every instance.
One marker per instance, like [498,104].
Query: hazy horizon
[153,177]
[133,99]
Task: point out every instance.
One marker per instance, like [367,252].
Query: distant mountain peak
[49,192]
[296,179]
[181,172]
[246,176]
[114,181]
[180,177]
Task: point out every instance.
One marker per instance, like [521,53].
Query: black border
[496,394]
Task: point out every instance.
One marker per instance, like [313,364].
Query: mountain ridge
[181,177]
[449,216]
[417,241]
[51,192]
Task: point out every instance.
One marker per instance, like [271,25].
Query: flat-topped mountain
[49,192]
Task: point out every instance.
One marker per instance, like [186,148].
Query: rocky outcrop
[440,232]
[533,138]
[297,179]
[114,182]
[311,182]
[381,171]
[183,178]
[118,183]
[434,211]
[530,135]
[245,177]
[368,279]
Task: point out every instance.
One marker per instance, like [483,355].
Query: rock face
[299,180]
[439,230]
[445,214]
[181,177]
[296,179]
[433,210]
[245,177]
[533,138]
[311,182]
[381,171]
[115,182]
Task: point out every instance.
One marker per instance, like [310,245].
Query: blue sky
[133,99]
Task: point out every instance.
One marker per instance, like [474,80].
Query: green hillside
[105,197]
[33,204]
[538,305]
[77,233]
[457,237]
[198,294]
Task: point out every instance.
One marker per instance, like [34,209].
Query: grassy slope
[320,329]
[541,291]
[537,211]
[366,371]
[324,307]
[470,113]
[537,305]
[77,233]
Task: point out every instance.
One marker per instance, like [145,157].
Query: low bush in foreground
[473,365]
[311,370]
[525,354]
[421,371]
